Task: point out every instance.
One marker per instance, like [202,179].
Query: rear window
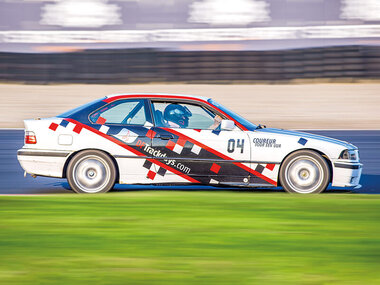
[125,112]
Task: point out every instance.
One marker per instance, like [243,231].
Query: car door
[194,148]
[129,123]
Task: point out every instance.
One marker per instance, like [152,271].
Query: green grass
[201,237]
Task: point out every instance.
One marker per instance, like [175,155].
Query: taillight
[30,138]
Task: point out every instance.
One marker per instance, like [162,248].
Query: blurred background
[140,41]
[283,63]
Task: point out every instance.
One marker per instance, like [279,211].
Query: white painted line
[195,34]
[11,129]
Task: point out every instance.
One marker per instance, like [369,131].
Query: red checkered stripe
[174,146]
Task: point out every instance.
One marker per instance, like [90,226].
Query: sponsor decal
[264,142]
[178,165]
[126,136]
[156,153]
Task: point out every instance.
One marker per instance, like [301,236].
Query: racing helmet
[177,114]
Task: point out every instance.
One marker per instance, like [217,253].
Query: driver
[177,116]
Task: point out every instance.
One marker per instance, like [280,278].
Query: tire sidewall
[78,157]
[308,153]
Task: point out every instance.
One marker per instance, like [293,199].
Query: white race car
[169,139]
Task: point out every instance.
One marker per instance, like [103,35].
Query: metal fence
[150,65]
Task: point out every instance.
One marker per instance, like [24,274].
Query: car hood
[307,136]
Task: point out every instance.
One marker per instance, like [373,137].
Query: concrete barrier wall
[149,65]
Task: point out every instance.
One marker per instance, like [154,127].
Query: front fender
[274,145]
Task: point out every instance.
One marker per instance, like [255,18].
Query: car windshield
[250,126]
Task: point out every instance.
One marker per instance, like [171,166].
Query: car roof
[114,97]
[157,95]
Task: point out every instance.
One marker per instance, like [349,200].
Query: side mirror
[227,125]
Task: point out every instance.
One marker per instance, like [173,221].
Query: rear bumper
[43,162]
[347,174]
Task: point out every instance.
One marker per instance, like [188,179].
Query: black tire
[304,172]
[90,172]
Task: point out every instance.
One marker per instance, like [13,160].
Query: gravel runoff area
[299,106]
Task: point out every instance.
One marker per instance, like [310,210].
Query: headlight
[349,154]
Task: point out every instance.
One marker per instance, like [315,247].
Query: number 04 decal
[239,144]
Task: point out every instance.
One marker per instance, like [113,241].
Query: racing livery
[161,139]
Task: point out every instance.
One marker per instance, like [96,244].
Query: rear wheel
[305,172]
[91,171]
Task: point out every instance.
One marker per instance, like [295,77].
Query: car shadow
[200,188]
[45,186]
[370,185]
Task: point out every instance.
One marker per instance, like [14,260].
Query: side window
[126,112]
[182,115]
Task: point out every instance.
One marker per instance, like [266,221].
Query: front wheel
[91,171]
[305,172]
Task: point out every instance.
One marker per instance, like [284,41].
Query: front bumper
[346,174]
[42,162]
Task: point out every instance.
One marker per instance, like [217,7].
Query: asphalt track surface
[13,181]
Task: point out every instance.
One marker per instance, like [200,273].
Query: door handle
[166,137]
